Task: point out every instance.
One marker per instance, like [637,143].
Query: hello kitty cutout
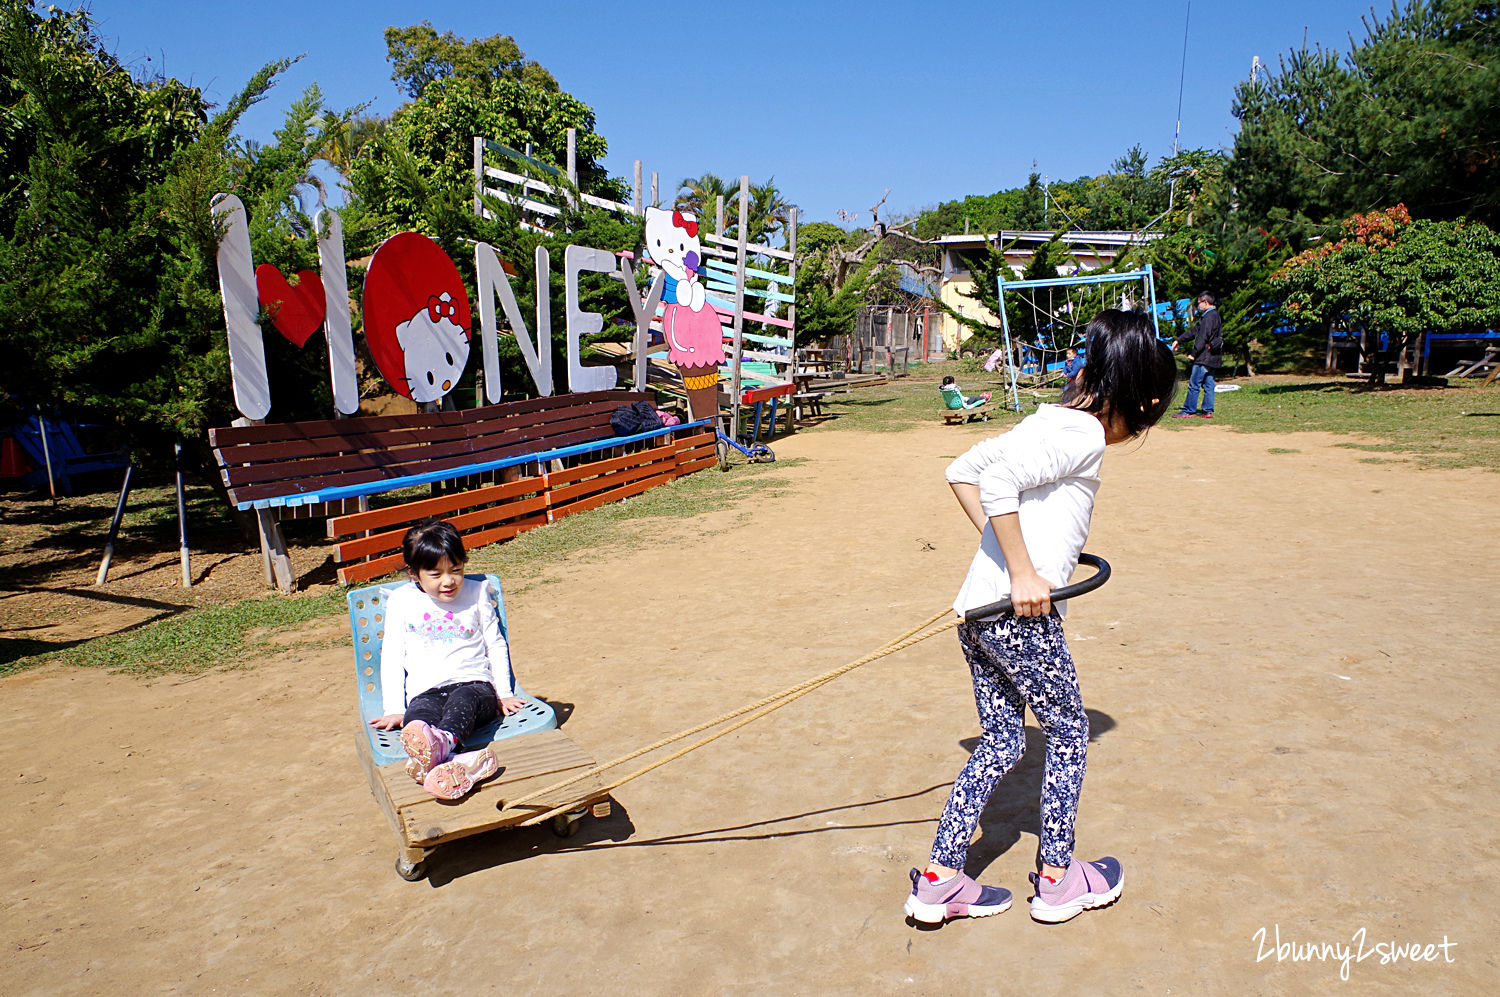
[434,349]
[417,318]
[695,339]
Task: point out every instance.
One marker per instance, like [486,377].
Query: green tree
[1407,116]
[108,280]
[700,195]
[419,56]
[1392,275]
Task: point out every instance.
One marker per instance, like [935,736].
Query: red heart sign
[297,312]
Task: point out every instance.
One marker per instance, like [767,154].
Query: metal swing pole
[1010,359]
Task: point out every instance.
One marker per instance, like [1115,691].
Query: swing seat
[367,621]
[527,764]
[954,399]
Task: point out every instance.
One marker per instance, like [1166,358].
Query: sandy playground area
[1296,713]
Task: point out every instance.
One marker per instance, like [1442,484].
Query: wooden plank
[379,543]
[528,763]
[483,538]
[424,508]
[568,475]
[697,465]
[781,254]
[561,497]
[614,495]
[360,571]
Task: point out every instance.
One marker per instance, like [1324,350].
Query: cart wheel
[409,871]
[566,825]
[721,450]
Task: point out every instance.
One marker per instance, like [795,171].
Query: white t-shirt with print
[429,644]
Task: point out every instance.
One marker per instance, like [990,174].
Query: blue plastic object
[367,621]
[67,456]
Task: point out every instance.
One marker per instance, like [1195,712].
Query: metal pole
[1010,359]
[114,527]
[183,554]
[41,425]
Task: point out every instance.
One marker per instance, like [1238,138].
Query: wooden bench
[531,461]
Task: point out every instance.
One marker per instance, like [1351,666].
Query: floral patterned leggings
[1018,662]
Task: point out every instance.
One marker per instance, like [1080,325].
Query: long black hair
[425,545]
[1130,375]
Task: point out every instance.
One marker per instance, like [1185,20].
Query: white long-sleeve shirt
[1047,470]
[429,644]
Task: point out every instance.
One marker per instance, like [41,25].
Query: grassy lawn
[1457,426]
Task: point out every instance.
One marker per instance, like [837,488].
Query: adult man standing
[1207,355]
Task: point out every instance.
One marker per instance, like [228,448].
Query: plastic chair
[367,621]
[955,398]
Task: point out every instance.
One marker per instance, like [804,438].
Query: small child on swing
[949,382]
[444,667]
[1030,493]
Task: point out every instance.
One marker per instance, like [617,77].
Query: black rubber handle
[1099,577]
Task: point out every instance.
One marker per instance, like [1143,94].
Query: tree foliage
[1408,115]
[419,56]
[108,280]
[1393,275]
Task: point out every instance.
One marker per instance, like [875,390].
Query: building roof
[978,239]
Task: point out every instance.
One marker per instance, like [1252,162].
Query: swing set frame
[1144,275]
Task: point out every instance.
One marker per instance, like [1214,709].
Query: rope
[765,705]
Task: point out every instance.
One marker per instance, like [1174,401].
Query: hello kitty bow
[679,221]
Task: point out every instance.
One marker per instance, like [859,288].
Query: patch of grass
[1448,427]
[914,400]
[1282,450]
[215,636]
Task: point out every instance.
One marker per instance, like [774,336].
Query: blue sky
[836,99]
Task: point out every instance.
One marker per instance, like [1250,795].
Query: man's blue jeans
[1200,383]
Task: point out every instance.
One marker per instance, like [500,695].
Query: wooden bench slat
[382,543]
[426,508]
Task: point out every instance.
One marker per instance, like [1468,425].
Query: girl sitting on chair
[445,667]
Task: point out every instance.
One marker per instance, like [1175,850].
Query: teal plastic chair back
[955,398]
[367,621]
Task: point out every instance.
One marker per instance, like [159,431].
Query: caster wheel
[565,825]
[409,871]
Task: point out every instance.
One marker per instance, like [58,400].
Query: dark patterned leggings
[457,709]
[1018,662]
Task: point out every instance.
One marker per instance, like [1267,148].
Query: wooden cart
[533,754]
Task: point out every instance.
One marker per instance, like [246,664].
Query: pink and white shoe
[426,745]
[933,903]
[1084,886]
[454,779]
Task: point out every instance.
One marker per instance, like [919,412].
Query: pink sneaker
[426,745]
[454,779]
[934,903]
[1084,886]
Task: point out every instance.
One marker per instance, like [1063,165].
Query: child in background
[444,667]
[1072,363]
[949,382]
[1030,493]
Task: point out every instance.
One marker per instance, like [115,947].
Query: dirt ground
[1291,680]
